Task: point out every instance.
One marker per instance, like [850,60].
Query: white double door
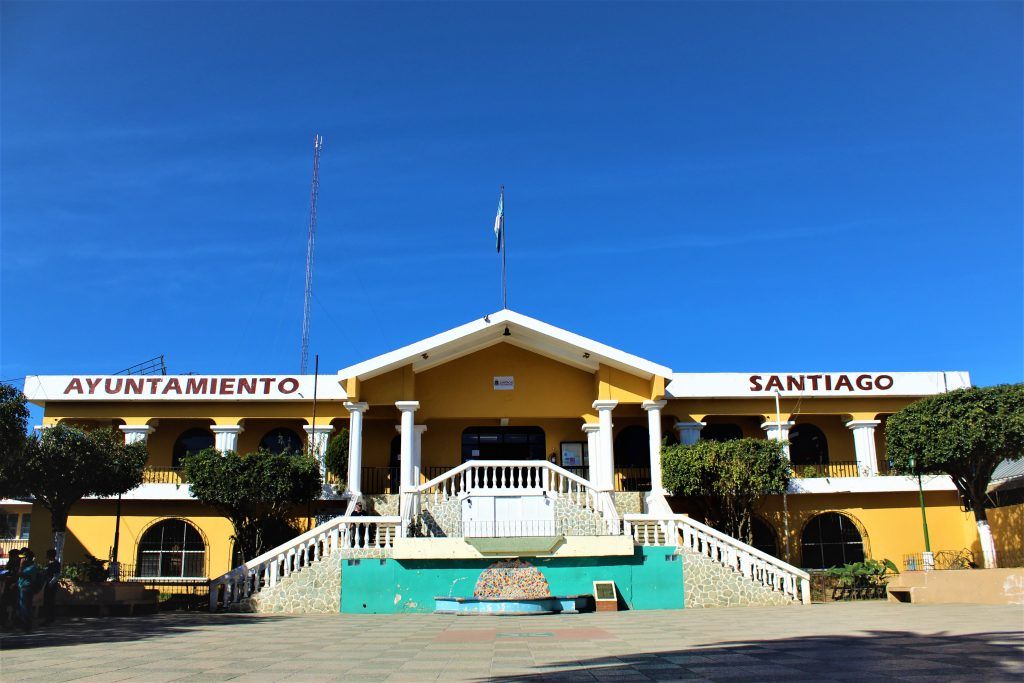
[504,516]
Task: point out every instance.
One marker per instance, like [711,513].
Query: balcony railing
[164,475]
[9,544]
[829,469]
[632,478]
[377,480]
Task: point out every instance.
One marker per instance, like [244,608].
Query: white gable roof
[525,332]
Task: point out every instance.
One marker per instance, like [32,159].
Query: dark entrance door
[503,443]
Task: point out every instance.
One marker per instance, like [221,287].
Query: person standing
[9,599]
[29,580]
[51,577]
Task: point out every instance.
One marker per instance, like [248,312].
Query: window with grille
[172,548]
[831,540]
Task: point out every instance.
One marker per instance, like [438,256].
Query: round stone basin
[507,607]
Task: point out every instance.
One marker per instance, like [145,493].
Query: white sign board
[504,383]
[43,388]
[809,384]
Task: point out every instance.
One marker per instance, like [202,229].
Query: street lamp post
[927,559]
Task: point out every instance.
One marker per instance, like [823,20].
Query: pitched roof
[525,332]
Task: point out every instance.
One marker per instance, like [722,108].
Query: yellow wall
[890,523]
[91,529]
[1007,524]
[463,387]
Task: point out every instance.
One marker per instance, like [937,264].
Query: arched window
[725,431]
[632,447]
[190,442]
[172,548]
[764,537]
[807,445]
[831,540]
[281,440]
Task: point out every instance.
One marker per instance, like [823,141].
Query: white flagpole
[504,252]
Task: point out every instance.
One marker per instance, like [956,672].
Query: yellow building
[510,403]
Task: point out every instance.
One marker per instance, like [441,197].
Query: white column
[779,432]
[689,432]
[864,446]
[606,466]
[318,437]
[653,409]
[225,437]
[355,446]
[136,433]
[407,462]
[593,451]
[417,450]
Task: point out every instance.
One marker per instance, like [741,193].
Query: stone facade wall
[314,590]
[628,502]
[382,504]
[573,520]
[441,519]
[708,584]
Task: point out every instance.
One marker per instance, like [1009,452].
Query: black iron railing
[632,478]
[377,480]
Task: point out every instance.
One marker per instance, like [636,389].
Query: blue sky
[717,187]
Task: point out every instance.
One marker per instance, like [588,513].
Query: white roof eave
[462,335]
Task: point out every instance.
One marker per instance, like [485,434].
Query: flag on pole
[499,221]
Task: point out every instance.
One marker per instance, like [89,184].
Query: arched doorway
[721,431]
[808,447]
[190,442]
[764,537]
[281,440]
[830,540]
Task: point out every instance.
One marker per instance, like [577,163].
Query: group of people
[20,580]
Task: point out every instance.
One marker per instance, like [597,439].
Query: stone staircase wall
[708,584]
[314,590]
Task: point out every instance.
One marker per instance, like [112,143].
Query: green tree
[728,479]
[13,433]
[336,457]
[965,433]
[66,464]
[258,492]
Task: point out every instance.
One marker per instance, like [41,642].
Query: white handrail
[268,569]
[724,549]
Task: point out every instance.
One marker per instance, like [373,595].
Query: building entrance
[503,443]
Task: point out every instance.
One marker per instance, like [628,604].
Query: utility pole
[314,194]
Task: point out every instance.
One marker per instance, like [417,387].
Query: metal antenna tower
[314,193]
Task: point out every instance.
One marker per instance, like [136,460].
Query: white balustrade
[530,477]
[690,535]
[267,570]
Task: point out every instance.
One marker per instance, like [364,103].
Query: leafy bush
[729,479]
[258,493]
[91,570]
[863,574]
[336,457]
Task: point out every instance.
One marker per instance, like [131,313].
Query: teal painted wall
[646,580]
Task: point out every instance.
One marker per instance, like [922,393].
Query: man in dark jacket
[51,576]
[9,598]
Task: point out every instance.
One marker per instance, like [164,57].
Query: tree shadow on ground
[83,630]
[872,655]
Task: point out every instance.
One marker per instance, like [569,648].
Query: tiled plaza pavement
[842,642]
